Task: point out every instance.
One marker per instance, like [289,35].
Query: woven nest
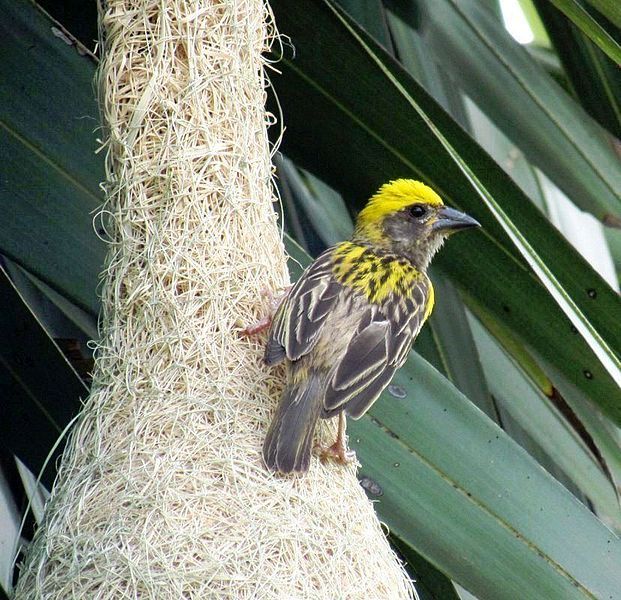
[162,493]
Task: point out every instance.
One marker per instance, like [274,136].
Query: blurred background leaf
[588,23]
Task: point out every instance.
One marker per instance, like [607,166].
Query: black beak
[450,220]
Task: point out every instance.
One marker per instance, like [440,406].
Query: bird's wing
[300,317]
[378,348]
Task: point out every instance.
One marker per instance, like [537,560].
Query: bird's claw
[265,323]
[257,327]
[337,452]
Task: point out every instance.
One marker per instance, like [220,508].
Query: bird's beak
[450,220]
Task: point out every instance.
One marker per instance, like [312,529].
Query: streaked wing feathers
[300,317]
[379,347]
[366,354]
[360,403]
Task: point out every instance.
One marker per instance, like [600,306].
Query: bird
[350,321]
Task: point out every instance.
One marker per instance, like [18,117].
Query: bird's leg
[258,326]
[338,451]
[264,323]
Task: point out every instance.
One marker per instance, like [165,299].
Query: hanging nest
[162,493]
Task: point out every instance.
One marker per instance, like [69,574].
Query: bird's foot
[257,327]
[337,452]
[274,302]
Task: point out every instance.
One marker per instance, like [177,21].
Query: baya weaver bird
[349,322]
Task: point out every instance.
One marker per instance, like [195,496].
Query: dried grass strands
[162,493]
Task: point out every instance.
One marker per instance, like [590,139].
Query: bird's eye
[417,211]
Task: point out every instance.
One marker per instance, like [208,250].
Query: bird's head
[408,218]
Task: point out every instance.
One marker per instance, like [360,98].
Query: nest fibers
[162,493]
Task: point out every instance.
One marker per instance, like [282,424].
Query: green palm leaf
[589,25]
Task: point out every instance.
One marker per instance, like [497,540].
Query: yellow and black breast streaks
[377,276]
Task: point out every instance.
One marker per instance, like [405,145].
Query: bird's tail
[288,444]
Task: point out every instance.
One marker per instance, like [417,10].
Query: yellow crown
[395,195]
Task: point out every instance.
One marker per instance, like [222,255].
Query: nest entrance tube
[162,493]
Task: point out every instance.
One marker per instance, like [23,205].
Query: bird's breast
[376,275]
